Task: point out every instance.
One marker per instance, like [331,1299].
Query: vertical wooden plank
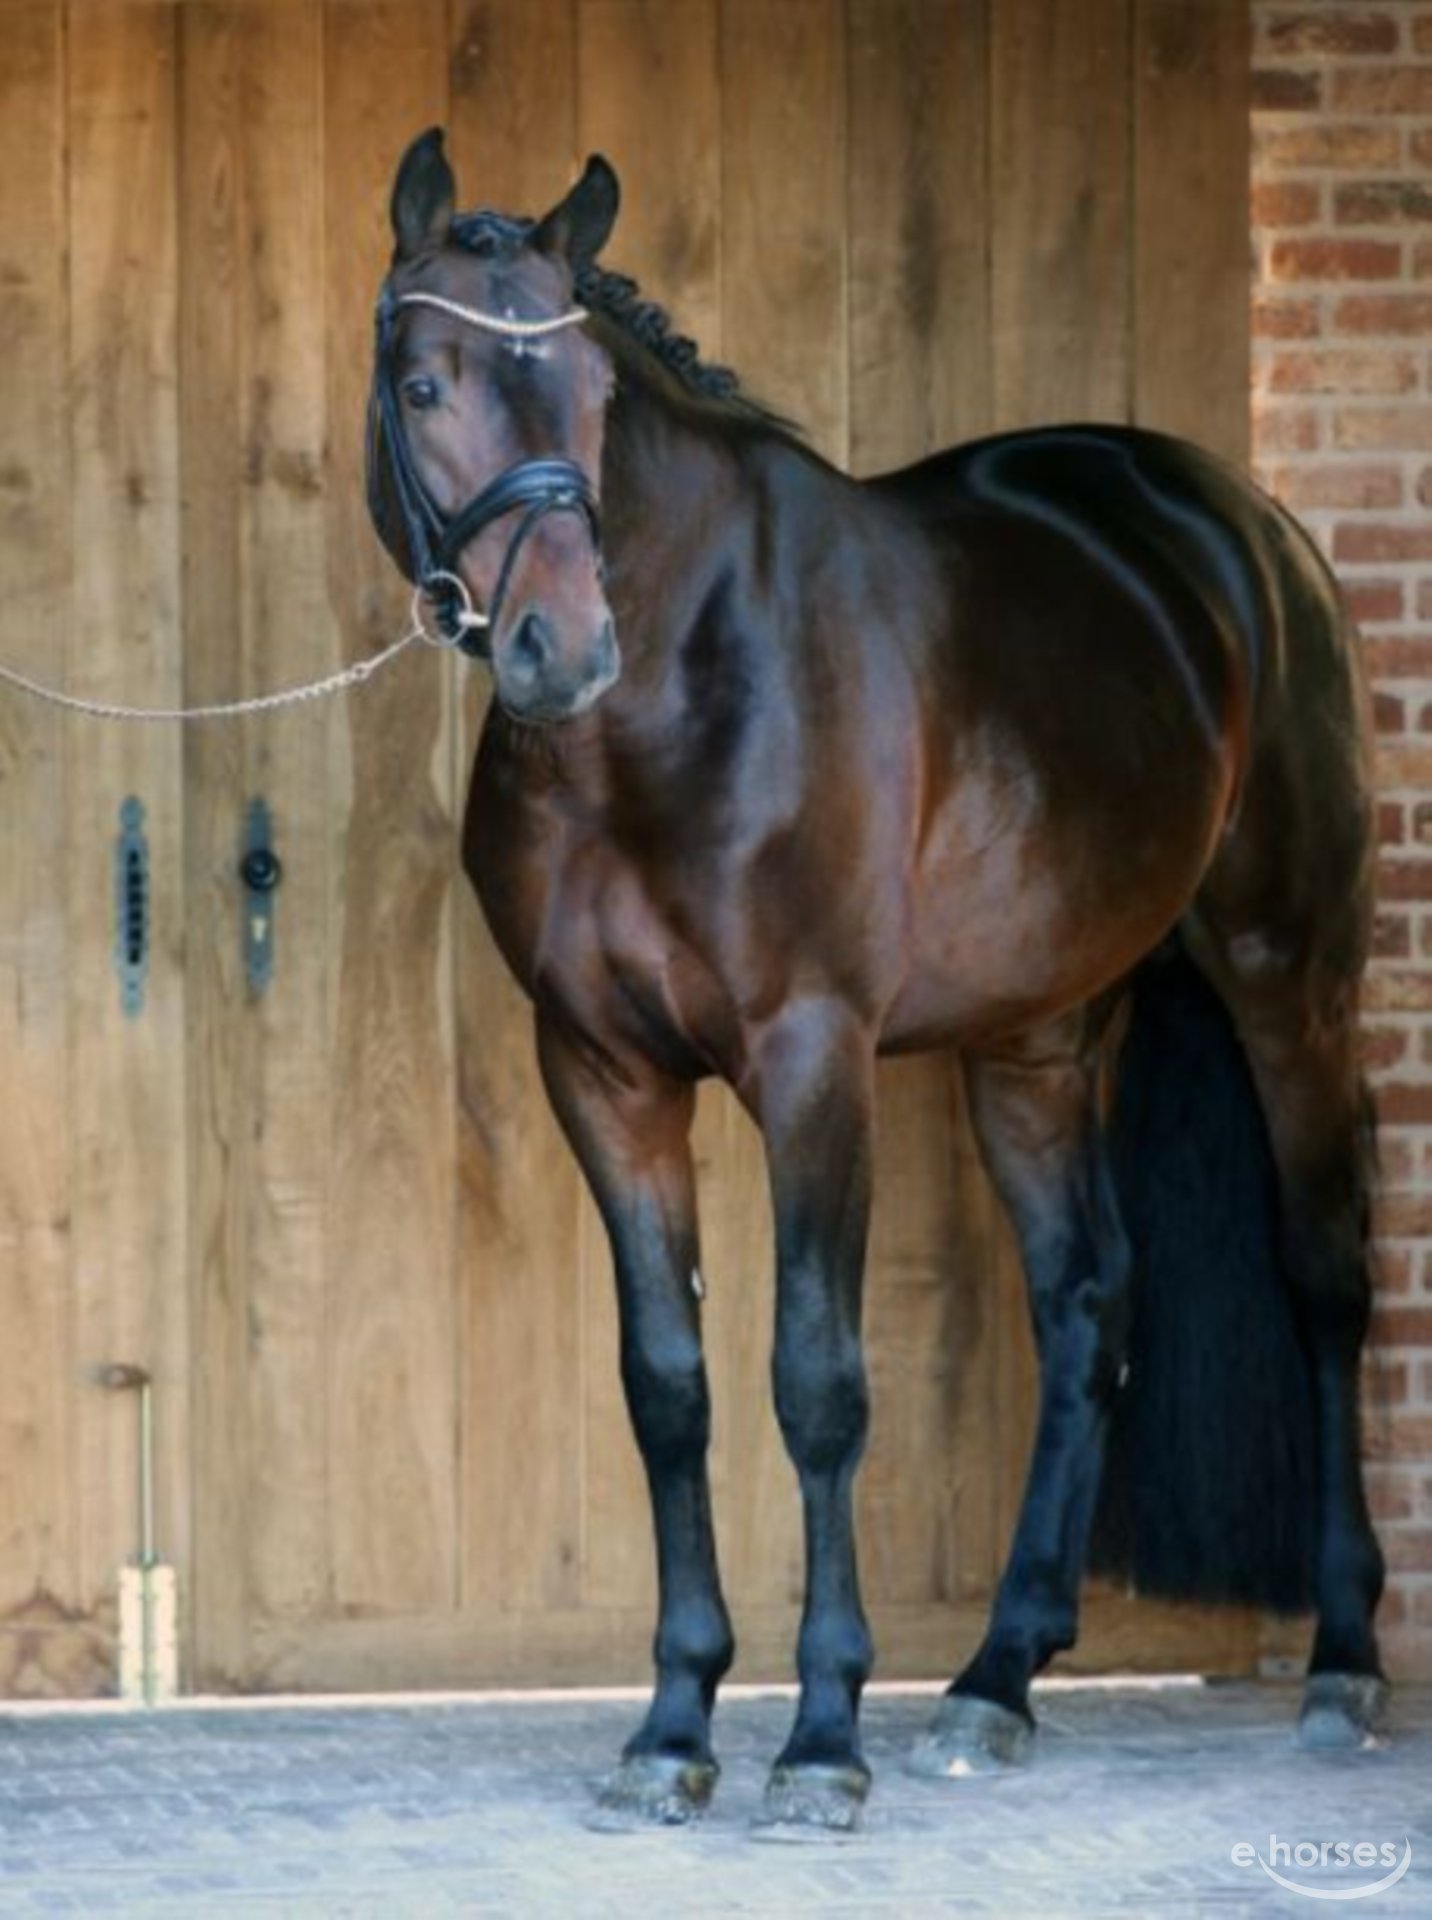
[256,595]
[289,632]
[37,1383]
[1060,210]
[212,267]
[648,97]
[520,1202]
[128,1175]
[392,1322]
[1191,220]
[920,349]
[650,101]
[784,145]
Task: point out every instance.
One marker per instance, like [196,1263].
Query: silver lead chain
[351,676]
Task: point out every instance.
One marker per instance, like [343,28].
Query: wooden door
[336,1220]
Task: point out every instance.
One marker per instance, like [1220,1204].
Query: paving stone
[1132,1807]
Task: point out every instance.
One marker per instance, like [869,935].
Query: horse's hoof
[1341,1711]
[655,1790]
[968,1736]
[812,1801]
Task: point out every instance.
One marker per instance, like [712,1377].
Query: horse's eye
[420,392]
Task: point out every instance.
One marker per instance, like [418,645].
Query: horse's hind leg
[630,1133]
[1036,1117]
[1295,1011]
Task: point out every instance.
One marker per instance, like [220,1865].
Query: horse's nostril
[531,645]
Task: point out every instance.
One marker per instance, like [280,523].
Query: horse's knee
[822,1400]
[669,1402]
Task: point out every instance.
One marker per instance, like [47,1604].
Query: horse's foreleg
[1036,1118]
[812,1096]
[631,1136]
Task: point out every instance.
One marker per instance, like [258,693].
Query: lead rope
[351,676]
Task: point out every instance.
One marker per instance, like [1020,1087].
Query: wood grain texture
[520,1197]
[552,1648]
[1190,183]
[784,145]
[129,1159]
[391,1337]
[919,227]
[257,615]
[220,1082]
[1060,210]
[37,1484]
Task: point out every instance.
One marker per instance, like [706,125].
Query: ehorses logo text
[1329,1857]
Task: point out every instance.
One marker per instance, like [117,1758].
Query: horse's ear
[424,193]
[579,227]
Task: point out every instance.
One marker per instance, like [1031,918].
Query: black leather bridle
[535,488]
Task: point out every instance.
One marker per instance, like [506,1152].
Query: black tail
[1208,1490]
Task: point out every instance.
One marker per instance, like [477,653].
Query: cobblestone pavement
[1132,1807]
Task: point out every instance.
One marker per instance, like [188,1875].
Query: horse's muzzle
[536,685]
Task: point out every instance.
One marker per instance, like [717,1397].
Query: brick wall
[1342,431]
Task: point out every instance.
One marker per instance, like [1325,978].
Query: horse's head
[486,427]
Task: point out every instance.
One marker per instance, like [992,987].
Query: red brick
[1405,1216]
[1394,429]
[1338,484]
[1284,319]
[1381,1047]
[1283,89]
[1405,1103]
[1403,763]
[1424,486]
[1391,940]
[1327,259]
[1404,1436]
[1422,33]
[1342,370]
[1391,1496]
[1285,429]
[1407,1549]
[1422,260]
[1329,32]
[1419,147]
[1397,1168]
[1347,146]
[1392,1271]
[1402,1327]
[1424,600]
[1286,203]
[1392,1608]
[1399,656]
[1391,313]
[1389,714]
[1391,823]
[1383,89]
[1381,203]
[1422,823]
[1381,541]
[1373,600]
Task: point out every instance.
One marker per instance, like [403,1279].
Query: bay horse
[1052,750]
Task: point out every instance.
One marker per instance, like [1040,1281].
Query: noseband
[536,487]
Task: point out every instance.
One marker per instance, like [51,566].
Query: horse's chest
[623,955]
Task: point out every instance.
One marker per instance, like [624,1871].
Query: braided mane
[618,298]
